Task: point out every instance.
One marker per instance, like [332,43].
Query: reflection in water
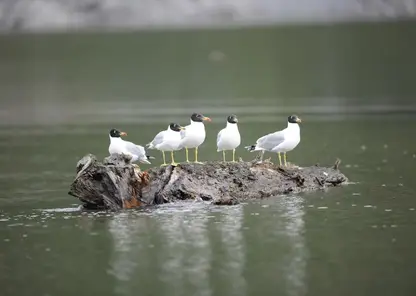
[125,233]
[234,245]
[173,252]
[198,263]
[187,251]
[295,261]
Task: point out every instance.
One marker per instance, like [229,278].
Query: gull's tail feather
[146,158]
[251,148]
[150,146]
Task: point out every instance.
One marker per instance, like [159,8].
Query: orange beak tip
[207,119]
[123,134]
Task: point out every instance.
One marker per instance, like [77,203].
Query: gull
[194,134]
[281,141]
[229,137]
[119,146]
[167,140]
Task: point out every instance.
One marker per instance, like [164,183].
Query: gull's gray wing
[183,132]
[135,149]
[219,137]
[270,141]
[158,139]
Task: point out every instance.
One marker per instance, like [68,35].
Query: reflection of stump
[116,184]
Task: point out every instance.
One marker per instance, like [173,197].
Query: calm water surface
[356,239]
[59,101]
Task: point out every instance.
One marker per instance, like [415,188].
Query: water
[61,94]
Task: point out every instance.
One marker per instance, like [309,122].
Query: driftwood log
[115,183]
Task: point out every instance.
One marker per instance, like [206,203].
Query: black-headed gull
[229,137]
[281,141]
[119,146]
[167,140]
[194,134]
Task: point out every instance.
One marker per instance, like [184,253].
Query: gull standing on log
[119,146]
[167,140]
[194,134]
[229,137]
[281,141]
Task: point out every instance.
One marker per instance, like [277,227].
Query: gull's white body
[229,137]
[167,140]
[193,135]
[281,141]
[119,146]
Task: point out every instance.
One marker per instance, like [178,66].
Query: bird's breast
[115,147]
[195,132]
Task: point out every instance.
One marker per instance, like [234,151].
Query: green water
[352,85]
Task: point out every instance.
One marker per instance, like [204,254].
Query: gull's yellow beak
[206,119]
[123,134]
[182,128]
[298,120]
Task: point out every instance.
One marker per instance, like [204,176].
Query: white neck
[196,122]
[115,139]
[293,126]
[232,125]
[171,130]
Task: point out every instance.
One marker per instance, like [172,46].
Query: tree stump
[116,184]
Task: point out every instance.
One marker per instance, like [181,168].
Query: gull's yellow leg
[223,155]
[284,158]
[186,153]
[172,159]
[261,155]
[196,155]
[233,155]
[280,158]
[164,158]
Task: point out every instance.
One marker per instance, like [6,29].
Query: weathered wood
[116,184]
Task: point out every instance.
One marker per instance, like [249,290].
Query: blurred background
[72,70]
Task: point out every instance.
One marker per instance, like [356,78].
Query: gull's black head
[197,117]
[294,119]
[115,133]
[176,127]
[232,118]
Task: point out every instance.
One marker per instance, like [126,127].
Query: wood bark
[116,184]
